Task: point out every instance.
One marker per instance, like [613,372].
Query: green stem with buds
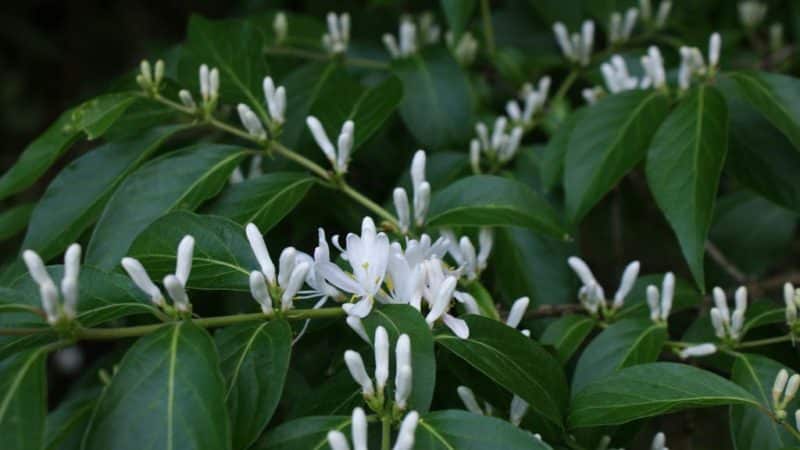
[319,56]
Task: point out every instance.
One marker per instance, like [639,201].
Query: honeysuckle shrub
[373,228]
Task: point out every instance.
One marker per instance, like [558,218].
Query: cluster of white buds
[238,176]
[150,79]
[335,41]
[534,101]
[660,304]
[209,90]
[421,191]
[501,147]
[660,19]
[791,297]
[338,156]
[692,63]
[752,13]
[412,36]
[55,310]
[470,262]
[517,313]
[517,409]
[577,48]
[175,284]
[659,442]
[617,77]
[727,325]
[591,294]
[783,391]
[465,49]
[653,65]
[693,351]
[374,392]
[619,29]
[276,105]
[266,284]
[358,428]
[280,26]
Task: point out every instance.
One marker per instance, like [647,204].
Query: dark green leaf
[458,14]
[626,343]
[97,115]
[23,400]
[263,200]
[567,11]
[67,424]
[437,103]
[566,334]
[304,87]
[683,169]
[486,304]
[181,180]
[552,165]
[306,433]
[775,96]
[455,429]
[608,141]
[650,390]
[515,362]
[97,173]
[486,200]
[751,429]
[167,394]
[14,220]
[254,359]
[222,256]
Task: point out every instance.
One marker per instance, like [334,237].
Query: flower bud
[298,275]
[260,291]
[422,200]
[517,311]
[359,429]
[259,247]
[381,357]
[698,350]
[177,292]
[183,264]
[318,132]
[337,440]
[779,385]
[469,400]
[626,284]
[582,270]
[280,25]
[356,325]
[356,367]
[402,208]
[49,295]
[402,388]
[667,295]
[142,280]
[405,437]
[652,303]
[517,410]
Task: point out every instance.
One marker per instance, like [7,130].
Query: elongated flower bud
[403,351]
[405,437]
[626,284]
[259,248]
[587,42]
[69,291]
[250,121]
[260,291]
[469,258]
[791,306]
[402,208]
[653,303]
[356,367]
[337,440]
[469,400]
[663,13]
[356,325]
[721,302]
[659,442]
[213,83]
[564,43]
[49,295]
[72,262]
[418,169]
[345,146]
[422,200]
[714,48]
[741,299]
[381,357]
[667,295]
[582,270]
[518,409]
[486,241]
[718,322]
[315,126]
[186,98]
[298,275]
[359,429]
[36,267]
[791,388]
[286,263]
[779,385]
[205,85]
[280,25]
[517,311]
[177,292]
[698,350]
[402,388]
[142,280]
[183,264]
[797,419]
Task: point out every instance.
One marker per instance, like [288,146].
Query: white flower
[752,13]
[142,280]
[368,256]
[176,283]
[403,377]
[408,427]
[469,400]
[661,305]
[338,156]
[659,442]
[727,325]
[402,207]
[47,289]
[653,65]
[663,13]
[251,122]
[617,77]
[591,294]
[784,390]
[503,145]
[338,36]
[534,101]
[438,293]
[381,358]
[693,64]
[276,100]
[280,25]
[358,327]
[517,312]
[791,298]
[358,429]
[698,350]
[406,278]
[209,85]
[186,98]
[294,269]
[577,48]
[465,49]
[359,373]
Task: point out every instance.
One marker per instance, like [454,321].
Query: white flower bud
[518,409]
[158,72]
[740,298]
[517,311]
[213,83]
[69,290]
[356,325]
[587,42]
[653,303]
[359,429]
[469,400]
[390,43]
[467,251]
[737,322]
[626,284]
[718,322]
[667,295]
[381,358]
[356,367]
[142,280]
[296,278]
[791,306]
[259,247]
[280,25]
[646,8]
[72,262]
[721,302]
[791,388]
[315,126]
[475,156]
[582,270]
[260,291]
[663,13]
[186,98]
[345,146]
[402,208]
[422,201]
[418,168]
[562,37]
[513,111]
[714,48]
[250,121]
[779,385]
[177,292]
[698,350]
[36,267]
[337,440]
[405,436]
[49,295]
[630,22]
[205,86]
[659,442]
[183,263]
[402,388]
[797,419]
[286,262]
[402,351]
[486,241]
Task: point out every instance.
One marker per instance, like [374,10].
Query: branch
[554,310]
[726,264]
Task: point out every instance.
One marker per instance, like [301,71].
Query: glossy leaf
[751,429]
[222,256]
[97,173]
[775,96]
[95,116]
[14,220]
[437,105]
[653,389]
[566,334]
[625,343]
[514,362]
[264,200]
[180,180]
[254,359]
[167,394]
[458,14]
[456,429]
[552,165]
[399,319]
[684,165]
[610,138]
[306,433]
[67,424]
[23,400]
[486,200]
[567,11]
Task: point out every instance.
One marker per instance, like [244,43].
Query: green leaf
[67,424]
[515,362]
[487,200]
[403,319]
[95,116]
[650,390]
[608,141]
[222,256]
[263,200]
[235,48]
[752,429]
[437,103]
[625,343]
[304,86]
[683,169]
[167,394]
[567,11]
[775,96]
[97,173]
[306,433]
[14,220]
[254,359]
[552,165]
[567,334]
[455,429]
[486,304]
[458,14]
[23,400]
[180,180]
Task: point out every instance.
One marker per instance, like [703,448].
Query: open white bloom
[209,86]
[660,304]
[280,26]
[784,390]
[284,284]
[368,256]
[659,442]
[619,29]
[791,298]
[752,13]
[276,100]
[337,38]
[465,49]
[406,278]
[698,350]
[502,145]
[49,293]
[727,325]
[591,294]
[338,156]
[534,101]
[617,77]
[438,292]
[577,48]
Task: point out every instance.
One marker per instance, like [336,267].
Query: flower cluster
[591,294]
[726,325]
[338,156]
[421,191]
[516,411]
[791,298]
[149,79]
[783,391]
[533,103]
[412,36]
[374,392]
[175,284]
[500,148]
[337,38]
[619,29]
[55,310]
[577,47]
[358,429]
[693,65]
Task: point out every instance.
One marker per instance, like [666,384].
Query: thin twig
[717,255]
